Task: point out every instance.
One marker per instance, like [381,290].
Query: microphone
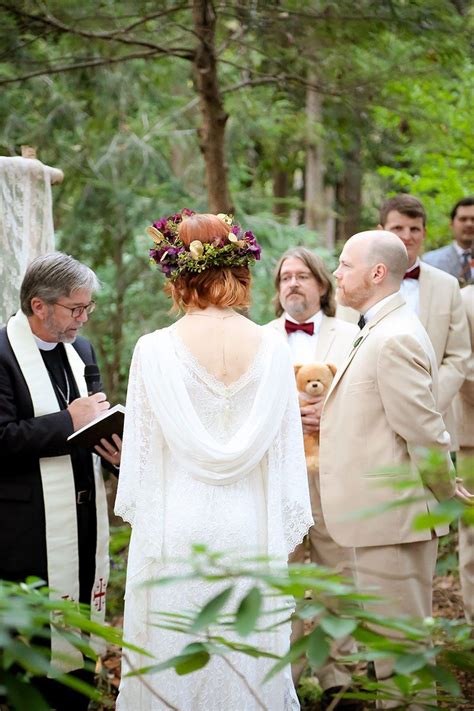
[92,378]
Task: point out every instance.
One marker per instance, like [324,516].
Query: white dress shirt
[370,313]
[410,290]
[302,345]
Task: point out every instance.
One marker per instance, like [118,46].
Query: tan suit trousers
[402,574]
[324,551]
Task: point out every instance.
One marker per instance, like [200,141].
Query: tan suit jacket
[464,403]
[334,340]
[442,315]
[380,410]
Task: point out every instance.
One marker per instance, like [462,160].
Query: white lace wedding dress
[206,463]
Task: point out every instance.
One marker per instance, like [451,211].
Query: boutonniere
[357,341]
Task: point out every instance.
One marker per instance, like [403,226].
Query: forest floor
[447,602]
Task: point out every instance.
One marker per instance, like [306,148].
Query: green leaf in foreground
[210,612]
[318,648]
[337,627]
[192,661]
[248,612]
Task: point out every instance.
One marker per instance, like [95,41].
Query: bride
[212,454]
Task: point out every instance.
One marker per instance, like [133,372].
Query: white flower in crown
[196,248]
[155,234]
[225,218]
[235,240]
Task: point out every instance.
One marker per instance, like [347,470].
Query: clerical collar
[44,345]
[315,318]
[370,313]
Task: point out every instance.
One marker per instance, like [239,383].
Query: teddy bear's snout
[315,386]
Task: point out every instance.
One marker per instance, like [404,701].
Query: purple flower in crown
[172,257]
[160,224]
[253,246]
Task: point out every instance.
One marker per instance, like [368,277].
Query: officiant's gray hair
[52,276]
[320,272]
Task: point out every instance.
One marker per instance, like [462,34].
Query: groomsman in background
[464,412]
[435,297]
[305,307]
[457,258]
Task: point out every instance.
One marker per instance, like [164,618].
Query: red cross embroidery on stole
[99,593]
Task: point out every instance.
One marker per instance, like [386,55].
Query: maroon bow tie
[291,327]
[413,273]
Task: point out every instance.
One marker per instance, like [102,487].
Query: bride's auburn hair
[218,286]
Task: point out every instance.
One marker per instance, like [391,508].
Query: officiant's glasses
[77,311]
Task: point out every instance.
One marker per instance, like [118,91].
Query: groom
[383,399]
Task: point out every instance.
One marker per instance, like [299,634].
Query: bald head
[382,247]
[371,267]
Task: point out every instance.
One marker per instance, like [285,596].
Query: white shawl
[160,412]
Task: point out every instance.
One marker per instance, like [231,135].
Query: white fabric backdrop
[26,222]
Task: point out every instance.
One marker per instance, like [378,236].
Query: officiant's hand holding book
[104,426]
[83,410]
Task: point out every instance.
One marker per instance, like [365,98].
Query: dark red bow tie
[291,327]
[413,273]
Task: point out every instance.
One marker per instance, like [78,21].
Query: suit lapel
[425,294]
[365,333]
[326,336]
[454,262]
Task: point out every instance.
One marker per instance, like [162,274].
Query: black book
[104,426]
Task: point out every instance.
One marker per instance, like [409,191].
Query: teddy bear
[312,380]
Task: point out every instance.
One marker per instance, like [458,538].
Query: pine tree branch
[103,61]
[53,22]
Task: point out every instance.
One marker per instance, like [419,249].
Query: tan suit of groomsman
[464,411]
[305,298]
[379,415]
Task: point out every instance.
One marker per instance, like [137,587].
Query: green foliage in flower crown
[171,255]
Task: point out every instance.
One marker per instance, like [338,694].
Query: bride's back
[223,342]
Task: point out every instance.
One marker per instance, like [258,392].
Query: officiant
[52,497]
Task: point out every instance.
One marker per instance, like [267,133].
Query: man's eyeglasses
[77,311]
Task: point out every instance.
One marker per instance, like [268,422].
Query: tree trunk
[315,210]
[280,191]
[212,131]
[349,194]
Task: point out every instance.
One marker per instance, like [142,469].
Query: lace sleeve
[141,465]
[289,503]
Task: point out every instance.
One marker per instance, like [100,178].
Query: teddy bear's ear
[297,367]
[332,368]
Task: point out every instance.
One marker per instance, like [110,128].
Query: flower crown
[170,254]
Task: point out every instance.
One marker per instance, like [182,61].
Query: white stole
[60,497]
